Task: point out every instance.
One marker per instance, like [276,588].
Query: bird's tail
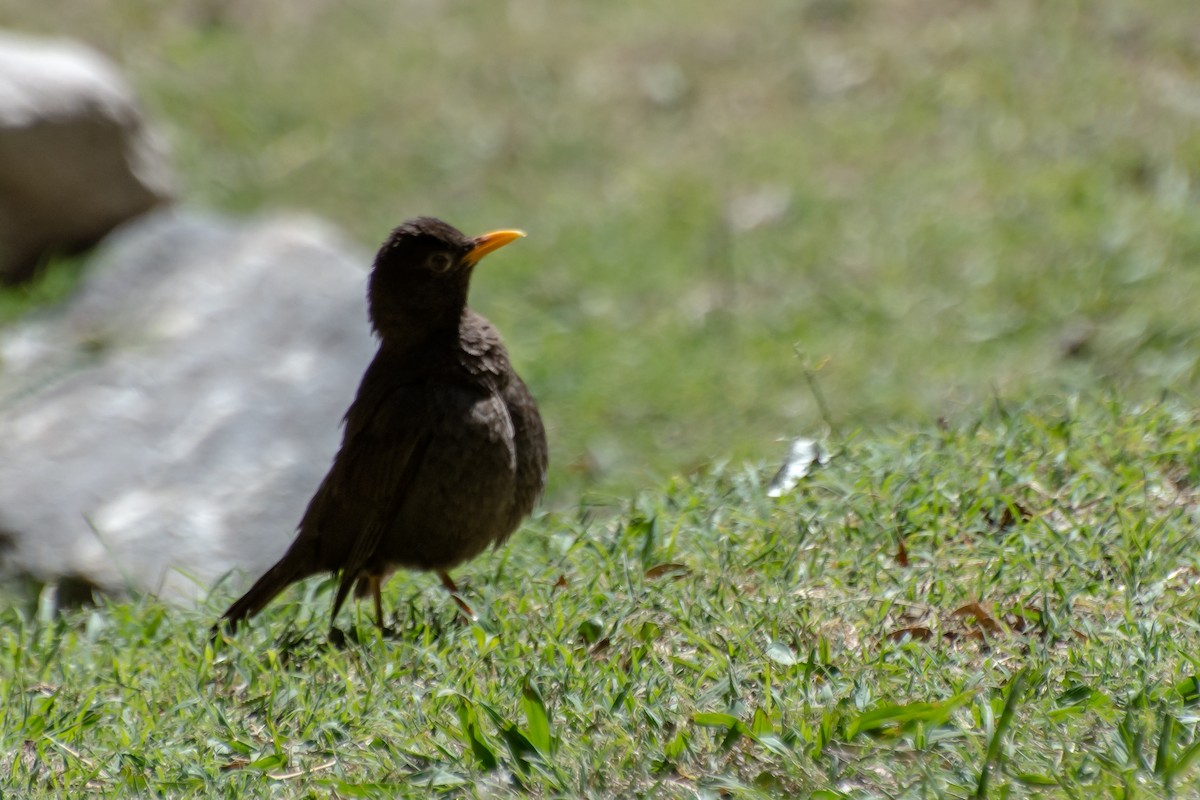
[291,568]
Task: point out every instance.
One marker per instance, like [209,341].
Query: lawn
[1013,597]
[956,239]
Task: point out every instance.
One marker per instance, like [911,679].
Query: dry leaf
[803,455]
[671,568]
[981,617]
[916,632]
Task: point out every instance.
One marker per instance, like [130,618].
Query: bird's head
[422,273]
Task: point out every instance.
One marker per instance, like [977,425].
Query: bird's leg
[452,588]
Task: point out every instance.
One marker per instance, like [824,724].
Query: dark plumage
[443,451]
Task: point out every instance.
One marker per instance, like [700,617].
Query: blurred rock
[76,156]
[171,422]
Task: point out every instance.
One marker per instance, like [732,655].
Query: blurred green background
[924,201]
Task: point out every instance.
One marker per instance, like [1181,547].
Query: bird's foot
[354,636]
[465,614]
[468,615]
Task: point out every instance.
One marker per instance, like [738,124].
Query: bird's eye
[439,262]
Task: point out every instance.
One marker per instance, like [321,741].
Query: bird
[443,449]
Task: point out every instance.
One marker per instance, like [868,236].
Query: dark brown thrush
[443,452]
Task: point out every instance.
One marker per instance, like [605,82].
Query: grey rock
[77,157]
[170,423]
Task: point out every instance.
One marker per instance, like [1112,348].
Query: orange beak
[488,242]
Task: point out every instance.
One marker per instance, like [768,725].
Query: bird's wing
[385,508]
[387,436]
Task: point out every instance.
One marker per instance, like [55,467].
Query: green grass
[1042,623]
[51,284]
[928,205]
[932,198]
